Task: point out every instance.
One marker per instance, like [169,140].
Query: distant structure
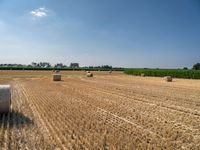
[33,64]
[74,65]
[59,65]
[41,64]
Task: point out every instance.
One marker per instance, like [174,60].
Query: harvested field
[108,111]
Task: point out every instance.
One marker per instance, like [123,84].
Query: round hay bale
[5,98]
[142,75]
[56,77]
[57,71]
[89,74]
[168,78]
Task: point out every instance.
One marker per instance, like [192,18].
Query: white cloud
[40,12]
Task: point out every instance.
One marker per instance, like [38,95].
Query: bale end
[56,77]
[5,98]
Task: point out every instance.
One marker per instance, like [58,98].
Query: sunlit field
[107,111]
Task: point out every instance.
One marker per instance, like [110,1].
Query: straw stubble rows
[104,112]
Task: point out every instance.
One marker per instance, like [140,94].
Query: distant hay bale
[5,98]
[89,74]
[57,77]
[142,75]
[57,71]
[168,78]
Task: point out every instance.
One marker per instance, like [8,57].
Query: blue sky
[128,33]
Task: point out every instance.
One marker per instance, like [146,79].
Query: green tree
[196,66]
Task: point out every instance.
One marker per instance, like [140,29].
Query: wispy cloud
[40,12]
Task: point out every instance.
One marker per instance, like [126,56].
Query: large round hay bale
[168,78]
[5,98]
[57,77]
[89,74]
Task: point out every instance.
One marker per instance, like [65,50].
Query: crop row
[177,73]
